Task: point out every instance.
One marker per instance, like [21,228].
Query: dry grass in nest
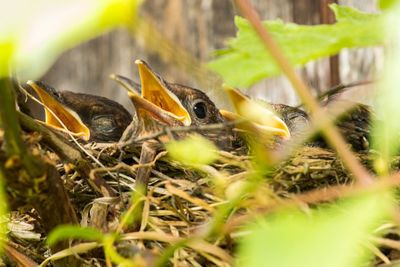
[182,203]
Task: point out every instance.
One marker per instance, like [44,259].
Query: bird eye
[104,124]
[200,110]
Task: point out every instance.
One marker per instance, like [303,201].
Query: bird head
[88,117]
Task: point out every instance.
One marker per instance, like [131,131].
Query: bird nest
[183,206]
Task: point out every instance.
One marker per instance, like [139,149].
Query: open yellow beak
[156,92]
[161,115]
[127,83]
[262,119]
[57,115]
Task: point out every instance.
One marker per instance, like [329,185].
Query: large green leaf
[37,32]
[333,236]
[247,60]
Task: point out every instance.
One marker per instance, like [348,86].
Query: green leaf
[386,131]
[329,236]
[6,52]
[348,14]
[194,150]
[75,232]
[385,4]
[40,31]
[247,59]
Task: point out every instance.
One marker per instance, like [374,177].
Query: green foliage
[36,33]
[386,130]
[6,50]
[193,151]
[73,231]
[330,236]
[247,60]
[385,4]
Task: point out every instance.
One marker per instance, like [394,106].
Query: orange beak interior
[57,115]
[263,119]
[155,91]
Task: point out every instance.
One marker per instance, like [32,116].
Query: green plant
[288,235]
[293,238]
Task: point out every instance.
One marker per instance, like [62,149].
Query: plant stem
[12,129]
[9,119]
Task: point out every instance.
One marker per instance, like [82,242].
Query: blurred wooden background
[199,27]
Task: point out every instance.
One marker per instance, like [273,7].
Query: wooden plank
[198,27]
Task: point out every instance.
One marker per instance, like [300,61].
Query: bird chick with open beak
[256,118]
[85,116]
[354,125]
[161,104]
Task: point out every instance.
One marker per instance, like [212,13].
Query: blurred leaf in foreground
[6,51]
[247,60]
[39,31]
[73,231]
[195,150]
[329,236]
[385,4]
[386,131]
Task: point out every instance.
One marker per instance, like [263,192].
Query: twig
[192,242]
[316,196]
[128,167]
[341,88]
[389,243]
[147,155]
[197,201]
[329,131]
[338,191]
[378,253]
[18,258]
[338,89]
[121,199]
[180,129]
